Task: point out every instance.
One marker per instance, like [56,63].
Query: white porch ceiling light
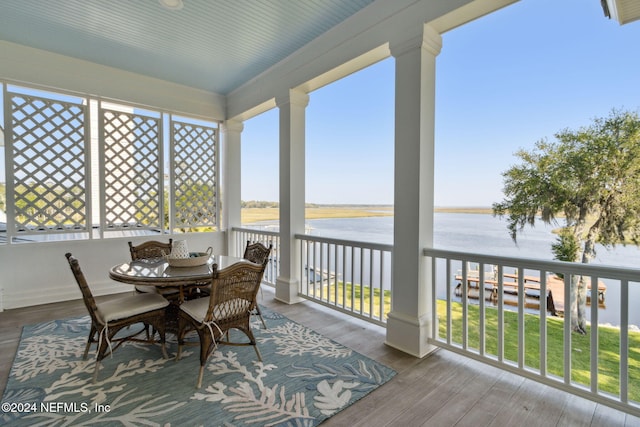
[171,4]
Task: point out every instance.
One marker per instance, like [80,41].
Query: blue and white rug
[304,378]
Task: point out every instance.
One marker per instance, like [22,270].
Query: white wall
[38,273]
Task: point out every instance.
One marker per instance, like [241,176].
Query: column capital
[233,126]
[430,40]
[293,97]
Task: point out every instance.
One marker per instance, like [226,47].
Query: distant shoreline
[469,210]
[253,215]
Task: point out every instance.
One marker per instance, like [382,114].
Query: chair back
[150,249]
[257,253]
[87,296]
[234,290]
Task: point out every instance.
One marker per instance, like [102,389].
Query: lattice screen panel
[132,165]
[195,186]
[48,165]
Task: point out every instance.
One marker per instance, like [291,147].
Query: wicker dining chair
[110,316]
[258,253]
[232,299]
[152,251]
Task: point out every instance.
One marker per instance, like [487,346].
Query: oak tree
[587,178]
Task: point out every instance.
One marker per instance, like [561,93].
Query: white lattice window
[81,168]
[194,166]
[47,173]
[133,194]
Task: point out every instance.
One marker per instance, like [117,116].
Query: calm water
[475,233]
[484,234]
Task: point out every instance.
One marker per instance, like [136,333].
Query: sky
[503,82]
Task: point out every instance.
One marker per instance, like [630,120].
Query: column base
[409,334]
[287,291]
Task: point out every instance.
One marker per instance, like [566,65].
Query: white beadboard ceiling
[215,45]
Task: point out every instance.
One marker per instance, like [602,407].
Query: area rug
[303,379]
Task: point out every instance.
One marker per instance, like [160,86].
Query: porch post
[292,192]
[409,322]
[232,130]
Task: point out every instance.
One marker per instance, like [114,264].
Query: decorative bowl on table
[195,259]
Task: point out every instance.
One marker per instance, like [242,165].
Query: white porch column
[292,192]
[232,130]
[409,322]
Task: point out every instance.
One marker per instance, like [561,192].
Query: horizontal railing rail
[349,276]
[514,313]
[242,235]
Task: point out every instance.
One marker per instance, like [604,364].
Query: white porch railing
[500,324]
[266,237]
[352,277]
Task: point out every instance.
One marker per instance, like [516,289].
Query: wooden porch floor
[443,389]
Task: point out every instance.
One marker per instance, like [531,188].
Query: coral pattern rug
[304,378]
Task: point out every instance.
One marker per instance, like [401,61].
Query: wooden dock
[554,298]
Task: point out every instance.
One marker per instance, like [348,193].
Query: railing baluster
[353,282]
[500,313]
[543,323]
[327,261]
[481,312]
[335,279]
[594,336]
[371,281]
[303,257]
[320,268]
[434,301]
[381,282]
[624,340]
[567,331]
[449,299]
[465,304]
[308,268]
[344,276]
[521,307]
[361,280]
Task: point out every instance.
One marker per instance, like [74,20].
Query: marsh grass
[251,215]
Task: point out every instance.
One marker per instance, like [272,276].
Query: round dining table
[158,273]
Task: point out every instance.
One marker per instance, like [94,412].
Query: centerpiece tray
[195,259]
